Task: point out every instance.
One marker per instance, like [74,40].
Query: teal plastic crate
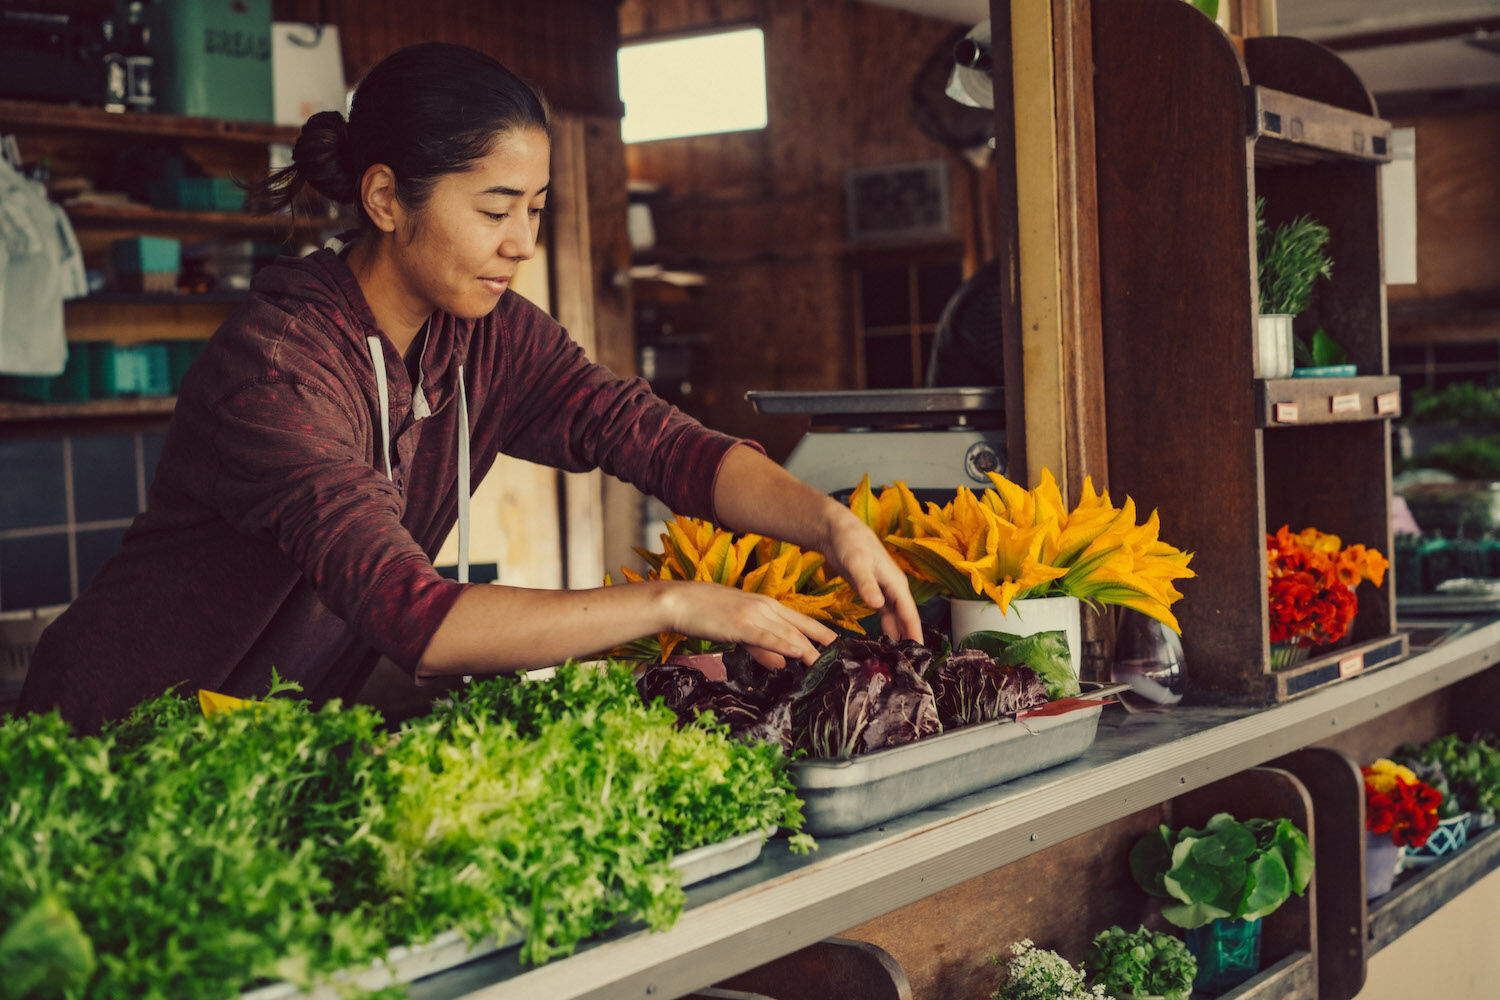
[145,255]
[180,356]
[197,194]
[129,370]
[213,57]
[69,387]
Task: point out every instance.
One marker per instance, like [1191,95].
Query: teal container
[1228,953]
[70,387]
[145,255]
[180,356]
[129,370]
[213,57]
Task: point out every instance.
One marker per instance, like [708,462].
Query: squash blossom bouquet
[1010,542]
[1399,803]
[1312,580]
[695,549]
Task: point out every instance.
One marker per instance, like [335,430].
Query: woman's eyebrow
[511,192]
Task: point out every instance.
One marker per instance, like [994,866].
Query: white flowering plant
[1033,973]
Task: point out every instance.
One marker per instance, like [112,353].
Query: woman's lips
[496,286]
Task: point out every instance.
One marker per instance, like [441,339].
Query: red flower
[1404,808]
[1311,600]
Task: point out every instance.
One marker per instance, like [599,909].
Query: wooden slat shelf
[64,118]
[1296,975]
[1291,129]
[142,406]
[143,219]
[1326,400]
[1416,897]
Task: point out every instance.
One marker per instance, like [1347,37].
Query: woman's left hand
[855,553]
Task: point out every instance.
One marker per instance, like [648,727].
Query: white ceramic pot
[1024,617]
[1273,346]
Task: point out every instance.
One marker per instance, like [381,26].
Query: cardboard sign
[1352,664]
[1388,402]
[1285,413]
[1347,402]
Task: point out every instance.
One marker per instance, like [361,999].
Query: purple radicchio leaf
[863,695]
[971,687]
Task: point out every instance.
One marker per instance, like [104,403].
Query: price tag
[1388,402]
[1347,402]
[1352,664]
[1285,413]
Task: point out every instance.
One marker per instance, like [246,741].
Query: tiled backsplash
[65,502]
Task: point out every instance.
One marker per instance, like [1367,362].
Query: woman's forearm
[754,494]
[492,629]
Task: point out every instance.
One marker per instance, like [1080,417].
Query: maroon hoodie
[273,538]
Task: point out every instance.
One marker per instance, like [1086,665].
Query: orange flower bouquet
[1312,578]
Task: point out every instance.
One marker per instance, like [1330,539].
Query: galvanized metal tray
[450,949]
[843,795]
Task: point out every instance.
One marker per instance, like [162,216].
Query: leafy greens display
[867,694]
[174,855]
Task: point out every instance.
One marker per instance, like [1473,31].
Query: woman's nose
[519,240]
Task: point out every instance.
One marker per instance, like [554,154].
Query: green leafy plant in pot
[1220,881]
[1291,258]
[1141,963]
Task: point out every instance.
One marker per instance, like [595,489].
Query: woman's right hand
[773,632]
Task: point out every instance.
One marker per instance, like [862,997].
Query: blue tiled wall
[65,502]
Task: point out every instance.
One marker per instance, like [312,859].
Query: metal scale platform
[934,440]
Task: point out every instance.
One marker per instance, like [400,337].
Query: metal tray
[408,964]
[844,795]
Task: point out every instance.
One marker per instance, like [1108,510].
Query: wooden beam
[1056,220]
[573,307]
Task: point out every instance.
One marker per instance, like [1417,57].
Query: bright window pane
[694,86]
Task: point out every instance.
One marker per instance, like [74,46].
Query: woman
[321,448]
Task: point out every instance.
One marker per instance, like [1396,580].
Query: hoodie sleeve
[292,465]
[563,410]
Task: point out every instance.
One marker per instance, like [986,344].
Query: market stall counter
[786,901]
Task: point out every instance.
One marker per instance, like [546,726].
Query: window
[699,85]
[897,304]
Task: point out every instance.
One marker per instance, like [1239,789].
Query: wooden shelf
[231,297]
[1326,400]
[1296,975]
[1196,437]
[36,115]
[143,219]
[89,409]
[1289,130]
[1416,897]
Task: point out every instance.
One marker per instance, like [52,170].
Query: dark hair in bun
[424,111]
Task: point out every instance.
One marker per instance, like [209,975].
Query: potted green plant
[1134,965]
[1466,773]
[1291,259]
[1033,973]
[1220,881]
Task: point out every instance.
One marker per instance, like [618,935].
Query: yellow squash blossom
[698,550]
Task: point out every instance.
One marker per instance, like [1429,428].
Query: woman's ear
[377,192]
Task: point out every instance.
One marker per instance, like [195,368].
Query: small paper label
[1388,402]
[1286,413]
[1347,402]
[1351,664]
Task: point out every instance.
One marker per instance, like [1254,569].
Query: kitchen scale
[934,440]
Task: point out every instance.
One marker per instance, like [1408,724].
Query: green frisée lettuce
[175,855]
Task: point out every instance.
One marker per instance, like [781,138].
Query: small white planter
[1273,346]
[1025,617]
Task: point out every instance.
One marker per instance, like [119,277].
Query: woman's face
[466,240]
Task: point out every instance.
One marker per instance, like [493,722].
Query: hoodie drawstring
[382,392]
[463,479]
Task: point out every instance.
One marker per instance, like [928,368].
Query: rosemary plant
[1292,258]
